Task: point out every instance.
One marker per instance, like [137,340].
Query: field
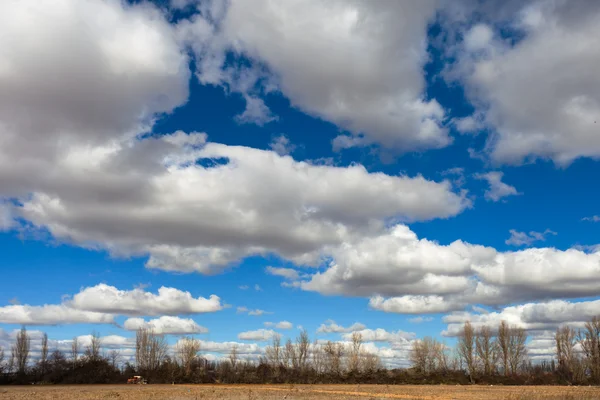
[297,392]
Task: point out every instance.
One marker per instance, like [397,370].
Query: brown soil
[297,392]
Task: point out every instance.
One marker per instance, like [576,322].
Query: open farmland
[300,392]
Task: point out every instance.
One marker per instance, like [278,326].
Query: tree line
[482,355]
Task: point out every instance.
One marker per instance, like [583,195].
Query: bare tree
[274,352]
[318,357]
[1,359]
[302,349]
[418,355]
[21,350]
[354,353]
[187,351]
[92,350]
[565,339]
[333,357]
[233,356]
[370,363]
[150,349]
[74,351]
[518,351]
[12,361]
[466,349]
[44,353]
[428,355]
[487,349]
[114,357]
[289,355]
[504,345]
[589,339]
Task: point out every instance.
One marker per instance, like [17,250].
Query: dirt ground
[297,392]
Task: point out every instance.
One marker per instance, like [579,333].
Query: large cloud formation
[78,161]
[101,303]
[540,95]
[423,276]
[368,78]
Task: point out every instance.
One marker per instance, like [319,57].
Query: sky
[237,169]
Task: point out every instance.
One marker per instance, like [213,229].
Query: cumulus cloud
[397,263]
[550,72]
[286,273]
[377,96]
[527,239]
[243,349]
[497,189]
[256,112]
[404,274]
[168,301]
[147,208]
[282,145]
[260,335]
[90,178]
[166,325]
[414,304]
[127,56]
[331,327]
[531,316]
[381,335]
[51,315]
[280,325]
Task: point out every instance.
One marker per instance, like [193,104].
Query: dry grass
[297,392]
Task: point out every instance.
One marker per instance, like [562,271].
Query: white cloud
[87,180]
[166,325]
[411,304]
[50,315]
[159,205]
[282,145]
[404,274]
[6,217]
[243,349]
[540,95]
[497,189]
[527,239]
[472,124]
[331,327]
[260,335]
[379,94]
[478,37]
[286,273]
[257,288]
[113,69]
[531,316]
[420,320]
[381,335]
[244,287]
[398,263]
[168,301]
[593,218]
[256,112]
[280,325]
[256,313]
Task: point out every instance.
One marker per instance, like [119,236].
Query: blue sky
[404,166]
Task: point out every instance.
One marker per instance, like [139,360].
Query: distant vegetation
[491,355]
